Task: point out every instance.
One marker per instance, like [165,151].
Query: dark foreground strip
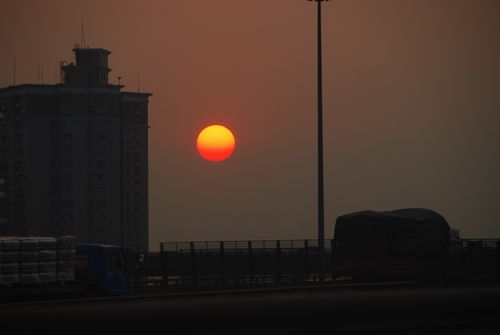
[384,311]
[159,294]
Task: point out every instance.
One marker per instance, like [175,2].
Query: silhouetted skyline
[410,105]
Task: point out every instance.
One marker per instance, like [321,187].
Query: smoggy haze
[411,105]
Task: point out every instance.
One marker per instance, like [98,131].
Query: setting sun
[215,143]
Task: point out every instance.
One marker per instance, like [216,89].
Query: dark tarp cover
[418,217]
[407,231]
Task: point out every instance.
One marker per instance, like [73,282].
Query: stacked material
[9,261]
[28,256]
[66,259]
[37,260]
[47,259]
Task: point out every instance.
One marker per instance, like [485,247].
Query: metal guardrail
[241,244]
[295,244]
[280,262]
[239,262]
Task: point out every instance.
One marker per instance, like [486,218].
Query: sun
[215,143]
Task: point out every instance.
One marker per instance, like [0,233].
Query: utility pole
[321,197]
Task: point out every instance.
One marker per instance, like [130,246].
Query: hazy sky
[412,105]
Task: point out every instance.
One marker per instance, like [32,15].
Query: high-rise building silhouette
[74,157]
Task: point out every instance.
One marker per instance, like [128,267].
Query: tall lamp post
[321,201]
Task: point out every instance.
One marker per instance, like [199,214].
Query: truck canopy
[409,231]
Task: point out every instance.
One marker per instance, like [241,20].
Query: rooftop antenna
[138,83]
[61,71]
[119,79]
[14,73]
[82,34]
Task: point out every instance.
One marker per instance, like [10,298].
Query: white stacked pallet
[28,266]
[66,259]
[9,261]
[47,256]
[33,261]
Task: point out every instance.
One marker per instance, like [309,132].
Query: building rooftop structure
[74,157]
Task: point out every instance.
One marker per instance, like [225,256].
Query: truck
[49,266]
[409,243]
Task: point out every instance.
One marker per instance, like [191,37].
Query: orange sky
[412,105]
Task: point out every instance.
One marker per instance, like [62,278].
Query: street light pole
[321,201]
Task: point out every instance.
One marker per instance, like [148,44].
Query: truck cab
[101,268]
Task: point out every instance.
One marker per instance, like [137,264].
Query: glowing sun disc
[215,143]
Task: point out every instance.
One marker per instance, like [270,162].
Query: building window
[65,179]
[66,150]
[137,182]
[67,163]
[138,117]
[17,140]
[66,192]
[66,219]
[66,203]
[137,169]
